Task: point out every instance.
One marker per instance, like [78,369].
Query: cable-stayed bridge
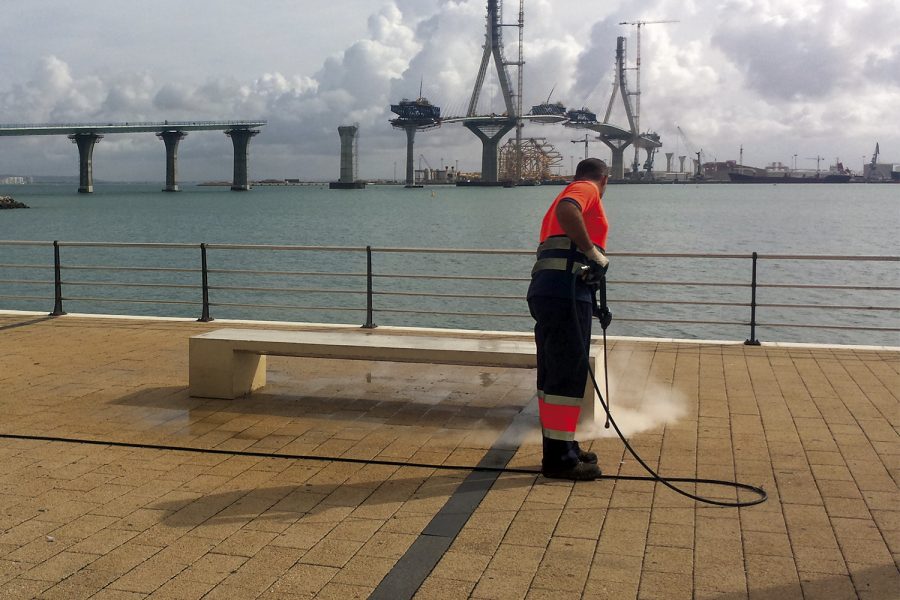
[419,115]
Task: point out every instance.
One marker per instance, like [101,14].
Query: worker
[573,236]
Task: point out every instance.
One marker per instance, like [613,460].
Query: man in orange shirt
[573,236]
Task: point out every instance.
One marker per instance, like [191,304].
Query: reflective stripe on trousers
[559,416]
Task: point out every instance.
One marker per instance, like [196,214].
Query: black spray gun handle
[597,284]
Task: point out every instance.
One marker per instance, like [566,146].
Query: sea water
[846,220]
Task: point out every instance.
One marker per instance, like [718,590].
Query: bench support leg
[591,411]
[249,372]
[217,371]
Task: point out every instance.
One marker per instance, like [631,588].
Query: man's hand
[604,315]
[595,271]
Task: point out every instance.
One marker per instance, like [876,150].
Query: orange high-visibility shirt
[587,195]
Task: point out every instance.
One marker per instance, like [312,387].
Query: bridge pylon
[491,130]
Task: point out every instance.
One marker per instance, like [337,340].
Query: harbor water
[844,220]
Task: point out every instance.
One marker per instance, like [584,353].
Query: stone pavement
[817,427]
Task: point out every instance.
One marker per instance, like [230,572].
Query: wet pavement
[817,427]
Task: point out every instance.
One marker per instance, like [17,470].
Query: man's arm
[569,216]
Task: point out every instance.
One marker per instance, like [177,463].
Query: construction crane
[586,141]
[637,93]
[818,160]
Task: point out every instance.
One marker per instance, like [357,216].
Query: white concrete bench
[229,363]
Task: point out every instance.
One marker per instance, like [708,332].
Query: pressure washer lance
[604,315]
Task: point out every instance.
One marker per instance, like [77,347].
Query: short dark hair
[591,168]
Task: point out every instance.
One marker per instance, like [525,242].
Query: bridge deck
[815,426]
[127,127]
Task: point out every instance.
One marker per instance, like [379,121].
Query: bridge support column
[170,139]
[241,140]
[85,143]
[410,157]
[490,135]
[617,164]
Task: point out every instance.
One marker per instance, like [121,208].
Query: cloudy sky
[780,77]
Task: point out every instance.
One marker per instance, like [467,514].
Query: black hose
[654,476]
[341,459]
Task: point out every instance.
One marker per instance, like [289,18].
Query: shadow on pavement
[317,499]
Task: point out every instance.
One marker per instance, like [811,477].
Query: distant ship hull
[830,178]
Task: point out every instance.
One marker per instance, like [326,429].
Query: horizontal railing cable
[814,286]
[147,245]
[23,243]
[488,251]
[11,297]
[447,295]
[129,300]
[185,286]
[683,321]
[289,290]
[286,247]
[860,258]
[837,327]
[830,306]
[449,277]
[282,273]
[681,283]
[128,269]
[682,302]
[451,314]
[26,281]
[287,306]
[5,266]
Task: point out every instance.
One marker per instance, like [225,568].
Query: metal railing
[212,276]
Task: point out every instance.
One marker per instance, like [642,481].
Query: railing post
[369,308]
[204,318]
[57,283]
[752,341]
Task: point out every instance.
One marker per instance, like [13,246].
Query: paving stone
[439,588]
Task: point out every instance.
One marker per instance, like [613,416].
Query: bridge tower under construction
[491,129]
[412,116]
[349,160]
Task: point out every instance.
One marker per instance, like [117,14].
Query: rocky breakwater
[9,202]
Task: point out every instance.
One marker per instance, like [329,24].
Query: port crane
[638,25]
[698,152]
[427,164]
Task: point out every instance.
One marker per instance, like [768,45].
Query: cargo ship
[779,173]
[788,178]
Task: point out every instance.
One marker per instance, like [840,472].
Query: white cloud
[778,76]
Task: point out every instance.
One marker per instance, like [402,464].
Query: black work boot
[580,471]
[585,456]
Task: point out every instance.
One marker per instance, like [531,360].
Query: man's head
[592,169]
